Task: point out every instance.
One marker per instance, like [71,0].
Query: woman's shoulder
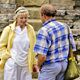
[30,27]
[7,28]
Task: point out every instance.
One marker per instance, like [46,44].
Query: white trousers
[12,71]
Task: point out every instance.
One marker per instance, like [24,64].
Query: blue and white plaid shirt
[52,41]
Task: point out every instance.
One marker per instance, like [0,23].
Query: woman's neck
[22,27]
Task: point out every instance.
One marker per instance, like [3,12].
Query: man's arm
[40,60]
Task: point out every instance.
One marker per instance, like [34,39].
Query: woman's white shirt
[19,50]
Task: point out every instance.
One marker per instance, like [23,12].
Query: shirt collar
[48,21]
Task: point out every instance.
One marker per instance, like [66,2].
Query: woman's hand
[1,65]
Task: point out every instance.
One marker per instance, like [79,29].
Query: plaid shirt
[52,41]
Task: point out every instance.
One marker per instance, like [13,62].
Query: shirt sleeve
[42,42]
[72,42]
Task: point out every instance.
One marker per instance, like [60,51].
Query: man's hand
[35,68]
[41,60]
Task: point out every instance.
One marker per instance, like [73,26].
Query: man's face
[42,18]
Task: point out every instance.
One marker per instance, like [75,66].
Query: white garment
[12,71]
[16,67]
[19,51]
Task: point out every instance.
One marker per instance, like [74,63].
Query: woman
[18,40]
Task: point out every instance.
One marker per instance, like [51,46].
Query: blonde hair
[21,10]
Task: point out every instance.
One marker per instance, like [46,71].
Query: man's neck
[48,18]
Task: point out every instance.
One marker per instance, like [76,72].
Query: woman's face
[21,19]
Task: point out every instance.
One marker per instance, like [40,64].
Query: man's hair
[48,10]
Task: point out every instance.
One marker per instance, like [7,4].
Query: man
[52,45]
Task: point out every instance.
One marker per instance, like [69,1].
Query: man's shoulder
[61,23]
[42,31]
[43,28]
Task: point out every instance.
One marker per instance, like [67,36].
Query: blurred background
[68,11]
